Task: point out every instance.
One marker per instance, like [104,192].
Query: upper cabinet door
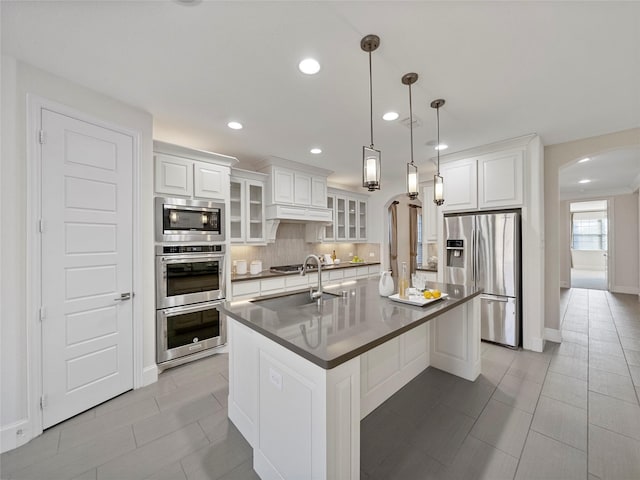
[236,210]
[501,181]
[282,186]
[302,189]
[460,180]
[173,175]
[211,181]
[255,211]
[362,219]
[318,192]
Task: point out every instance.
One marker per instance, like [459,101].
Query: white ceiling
[611,173]
[565,70]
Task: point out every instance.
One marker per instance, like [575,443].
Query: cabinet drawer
[350,272]
[374,270]
[272,285]
[336,275]
[296,281]
[243,289]
[362,271]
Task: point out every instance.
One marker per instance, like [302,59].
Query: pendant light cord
[411,122]
[371,99]
[438,117]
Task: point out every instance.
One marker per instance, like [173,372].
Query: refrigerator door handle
[474,252]
[491,298]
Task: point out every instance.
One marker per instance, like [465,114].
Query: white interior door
[87,348]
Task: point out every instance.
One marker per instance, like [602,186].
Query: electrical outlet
[275,378]
[371,254]
[351,254]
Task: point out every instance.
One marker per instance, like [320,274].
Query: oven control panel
[170,249]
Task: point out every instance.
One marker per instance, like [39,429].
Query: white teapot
[385,286]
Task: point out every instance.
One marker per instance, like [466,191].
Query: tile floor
[570,412]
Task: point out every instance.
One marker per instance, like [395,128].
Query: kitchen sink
[294,300]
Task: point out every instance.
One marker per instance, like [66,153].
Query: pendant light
[412,169]
[370,156]
[438,184]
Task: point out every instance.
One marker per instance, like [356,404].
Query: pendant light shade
[412,169]
[438,181]
[370,156]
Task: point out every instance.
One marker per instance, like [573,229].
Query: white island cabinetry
[301,379]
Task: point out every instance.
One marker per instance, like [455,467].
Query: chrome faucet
[318,293]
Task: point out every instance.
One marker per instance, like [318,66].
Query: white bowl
[336,261]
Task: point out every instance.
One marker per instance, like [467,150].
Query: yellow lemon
[436,293]
[427,294]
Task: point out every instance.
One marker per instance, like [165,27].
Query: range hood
[314,218]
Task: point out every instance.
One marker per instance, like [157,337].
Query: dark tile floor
[570,412]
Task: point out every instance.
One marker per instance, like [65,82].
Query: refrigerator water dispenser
[455,253]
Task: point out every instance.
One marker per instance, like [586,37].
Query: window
[589,231]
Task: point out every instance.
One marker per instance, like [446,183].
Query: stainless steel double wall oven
[190,280]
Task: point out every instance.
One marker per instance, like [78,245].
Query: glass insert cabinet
[246,207]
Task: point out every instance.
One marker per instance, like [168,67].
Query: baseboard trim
[149,375]
[552,335]
[622,289]
[14,435]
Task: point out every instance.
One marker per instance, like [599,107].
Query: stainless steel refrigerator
[484,250]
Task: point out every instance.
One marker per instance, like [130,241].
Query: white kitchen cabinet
[501,180]
[349,216]
[181,171]
[282,186]
[246,207]
[352,216]
[341,218]
[429,216]
[318,191]
[362,220]
[301,189]
[248,289]
[493,180]
[460,180]
[210,181]
[173,175]
[329,230]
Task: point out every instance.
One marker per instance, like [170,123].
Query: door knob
[123,296]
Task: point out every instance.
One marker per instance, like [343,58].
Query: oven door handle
[189,258]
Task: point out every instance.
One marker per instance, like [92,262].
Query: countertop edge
[328,365]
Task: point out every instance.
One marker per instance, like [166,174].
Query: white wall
[556,156]
[625,244]
[18,80]
[564,247]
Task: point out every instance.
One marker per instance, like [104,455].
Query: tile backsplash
[290,247]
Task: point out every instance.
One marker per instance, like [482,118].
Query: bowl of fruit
[356,259]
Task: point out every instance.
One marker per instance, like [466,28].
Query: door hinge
[42,313]
[41,225]
[43,402]
[41,137]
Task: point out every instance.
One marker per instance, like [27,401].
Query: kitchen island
[302,377]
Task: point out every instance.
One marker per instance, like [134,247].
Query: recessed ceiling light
[309,66]
[586,180]
[316,151]
[442,146]
[389,116]
[584,160]
[234,125]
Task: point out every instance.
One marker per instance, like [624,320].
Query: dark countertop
[270,274]
[343,328]
[427,269]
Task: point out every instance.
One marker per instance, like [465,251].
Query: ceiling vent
[407,122]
